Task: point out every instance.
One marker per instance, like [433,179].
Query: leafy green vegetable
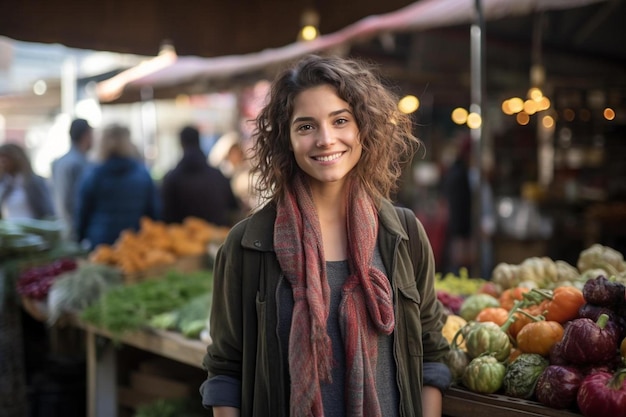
[192,329]
[131,307]
[74,291]
[190,319]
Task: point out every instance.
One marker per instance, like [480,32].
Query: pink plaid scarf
[366,308]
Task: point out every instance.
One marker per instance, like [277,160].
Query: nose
[325,136]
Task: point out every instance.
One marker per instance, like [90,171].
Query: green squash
[522,374]
[484,375]
[457,360]
[488,338]
[473,304]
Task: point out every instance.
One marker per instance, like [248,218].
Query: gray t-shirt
[333,394]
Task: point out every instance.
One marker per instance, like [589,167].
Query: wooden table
[102,378]
[101,361]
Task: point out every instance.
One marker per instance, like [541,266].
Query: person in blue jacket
[115,193]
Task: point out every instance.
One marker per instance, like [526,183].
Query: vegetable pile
[132,307]
[74,291]
[158,244]
[451,289]
[548,335]
[35,282]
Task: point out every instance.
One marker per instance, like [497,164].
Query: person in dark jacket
[194,188]
[116,193]
[323,299]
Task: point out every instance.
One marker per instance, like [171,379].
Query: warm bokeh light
[522,118]
[516,104]
[408,104]
[474,121]
[609,113]
[308,33]
[506,108]
[543,104]
[535,94]
[530,107]
[547,122]
[459,116]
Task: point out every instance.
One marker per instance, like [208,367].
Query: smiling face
[324,136]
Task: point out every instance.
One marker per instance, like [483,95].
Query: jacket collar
[259,233]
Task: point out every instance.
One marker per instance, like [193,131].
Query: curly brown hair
[385,133]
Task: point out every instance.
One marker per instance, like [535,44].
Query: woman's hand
[431,402]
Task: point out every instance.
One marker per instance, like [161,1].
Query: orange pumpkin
[510,296]
[564,304]
[522,320]
[539,336]
[497,315]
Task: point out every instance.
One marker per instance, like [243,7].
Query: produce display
[75,290]
[35,281]
[132,307]
[158,244]
[190,319]
[542,330]
[547,334]
[452,289]
[20,237]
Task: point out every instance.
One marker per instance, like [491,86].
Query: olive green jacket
[244,313]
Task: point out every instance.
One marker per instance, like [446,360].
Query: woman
[317,308]
[116,193]
[23,194]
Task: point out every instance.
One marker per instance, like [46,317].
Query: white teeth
[328,157]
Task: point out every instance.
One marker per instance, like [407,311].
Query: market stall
[541,337]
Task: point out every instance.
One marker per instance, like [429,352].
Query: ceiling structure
[581,40]
[201,28]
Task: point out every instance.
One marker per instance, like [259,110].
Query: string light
[408,104]
[309,22]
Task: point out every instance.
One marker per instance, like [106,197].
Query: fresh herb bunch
[131,307]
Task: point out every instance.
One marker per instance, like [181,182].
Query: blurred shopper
[116,193]
[23,194]
[193,188]
[229,156]
[67,170]
[457,192]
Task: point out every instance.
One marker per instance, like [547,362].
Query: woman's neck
[331,211]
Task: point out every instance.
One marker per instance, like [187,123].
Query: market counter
[462,403]
[102,381]
[102,391]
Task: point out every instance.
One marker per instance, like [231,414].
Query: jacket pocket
[409,303]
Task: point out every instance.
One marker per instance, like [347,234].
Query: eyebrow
[331,114]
